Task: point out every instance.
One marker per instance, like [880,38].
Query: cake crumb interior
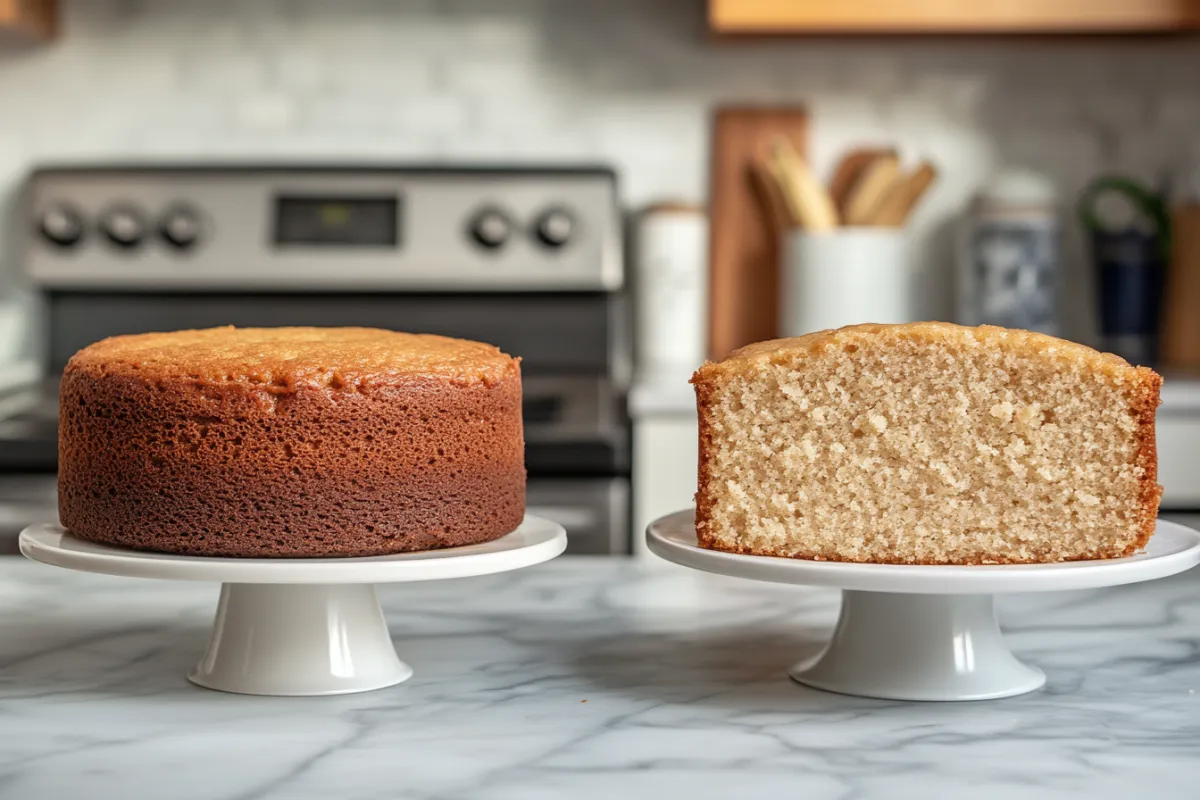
[917,449]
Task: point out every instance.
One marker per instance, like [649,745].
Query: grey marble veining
[588,679]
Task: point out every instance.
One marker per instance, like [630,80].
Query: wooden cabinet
[952,16]
[27,21]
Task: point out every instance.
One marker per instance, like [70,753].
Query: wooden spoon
[806,198]
[848,172]
[902,197]
[875,182]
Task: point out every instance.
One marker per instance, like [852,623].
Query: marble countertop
[588,679]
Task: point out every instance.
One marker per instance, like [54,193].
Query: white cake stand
[923,632]
[300,626]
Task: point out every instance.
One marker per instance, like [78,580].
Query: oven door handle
[594,511]
[570,517]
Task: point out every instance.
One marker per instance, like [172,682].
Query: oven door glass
[595,512]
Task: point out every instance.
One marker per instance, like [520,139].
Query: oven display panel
[344,221]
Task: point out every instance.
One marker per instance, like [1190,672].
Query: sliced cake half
[926,443]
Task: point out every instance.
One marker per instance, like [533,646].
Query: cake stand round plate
[911,632]
[300,627]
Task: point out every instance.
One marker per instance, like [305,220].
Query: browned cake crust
[1143,394]
[290,442]
[1147,397]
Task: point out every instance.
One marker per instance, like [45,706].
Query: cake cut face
[290,442]
[926,443]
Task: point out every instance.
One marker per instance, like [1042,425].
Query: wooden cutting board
[744,238]
[1180,338]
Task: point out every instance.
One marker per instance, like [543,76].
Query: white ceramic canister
[1009,263]
[671,285]
[844,277]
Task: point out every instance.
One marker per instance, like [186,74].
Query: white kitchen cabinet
[664,452]
[664,470]
[1178,440]
[1179,460]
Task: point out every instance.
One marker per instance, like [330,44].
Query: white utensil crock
[845,277]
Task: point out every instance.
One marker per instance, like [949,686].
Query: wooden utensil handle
[806,198]
[870,189]
[897,204]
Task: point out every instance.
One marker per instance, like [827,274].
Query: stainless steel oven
[528,259]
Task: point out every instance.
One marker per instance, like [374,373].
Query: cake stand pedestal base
[918,647]
[923,632]
[299,639]
[300,626]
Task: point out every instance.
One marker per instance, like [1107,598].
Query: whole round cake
[290,442]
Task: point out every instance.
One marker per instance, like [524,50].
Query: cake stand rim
[1174,548]
[534,541]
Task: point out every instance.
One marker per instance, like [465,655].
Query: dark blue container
[1129,269]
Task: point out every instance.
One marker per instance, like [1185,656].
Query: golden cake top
[946,333]
[283,358]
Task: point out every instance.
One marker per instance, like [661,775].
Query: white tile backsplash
[625,81]
[268,110]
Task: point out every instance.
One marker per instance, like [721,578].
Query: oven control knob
[124,226]
[62,226]
[554,227]
[180,226]
[491,228]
